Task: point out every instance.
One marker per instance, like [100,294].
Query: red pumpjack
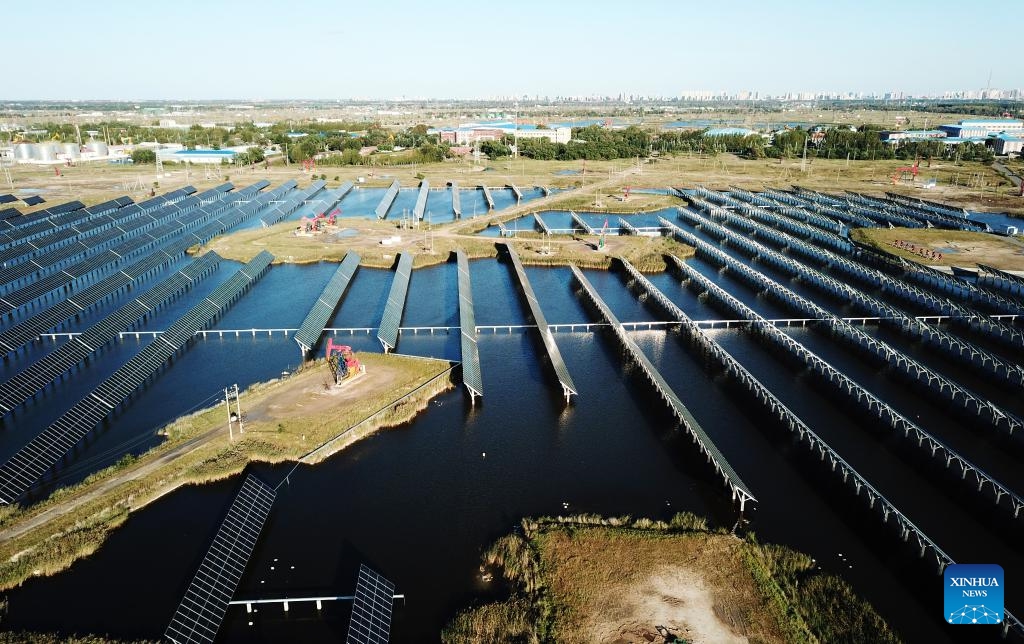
[341,360]
[900,172]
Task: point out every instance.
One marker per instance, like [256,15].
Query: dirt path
[508,214]
[130,474]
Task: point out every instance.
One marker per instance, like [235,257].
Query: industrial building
[895,136]
[468,133]
[1005,144]
[216,157]
[971,128]
[53,153]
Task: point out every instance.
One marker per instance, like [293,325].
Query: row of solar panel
[105,216]
[291,204]
[55,258]
[40,223]
[471,375]
[313,326]
[392,318]
[109,259]
[34,378]
[44,451]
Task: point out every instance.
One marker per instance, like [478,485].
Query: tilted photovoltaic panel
[392,318]
[371,609]
[36,376]
[471,376]
[201,611]
[313,326]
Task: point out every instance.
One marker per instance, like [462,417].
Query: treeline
[838,143]
[591,142]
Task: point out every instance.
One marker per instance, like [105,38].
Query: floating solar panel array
[7,199]
[8,213]
[43,452]
[32,200]
[557,363]
[202,609]
[387,333]
[879,410]
[38,225]
[471,376]
[173,228]
[313,326]
[389,198]
[290,203]
[739,489]
[99,234]
[978,409]
[36,376]
[103,216]
[974,357]
[371,609]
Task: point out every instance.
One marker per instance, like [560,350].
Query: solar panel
[291,204]
[471,376]
[33,200]
[103,263]
[309,333]
[389,198]
[392,318]
[7,199]
[35,377]
[202,609]
[44,451]
[371,609]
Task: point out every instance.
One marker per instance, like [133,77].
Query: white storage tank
[98,148]
[71,150]
[22,151]
[45,152]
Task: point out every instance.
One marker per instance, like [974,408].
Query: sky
[324,49]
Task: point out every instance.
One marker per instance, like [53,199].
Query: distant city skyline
[260,49]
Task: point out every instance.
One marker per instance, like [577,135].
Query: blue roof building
[984,127]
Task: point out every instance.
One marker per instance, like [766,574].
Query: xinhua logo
[974,594]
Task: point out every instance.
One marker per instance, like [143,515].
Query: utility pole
[227,403]
[515,131]
[803,163]
[238,406]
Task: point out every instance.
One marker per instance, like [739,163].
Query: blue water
[996,219]
[560,221]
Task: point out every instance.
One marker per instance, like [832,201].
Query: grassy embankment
[958,248]
[974,185]
[583,579]
[646,253]
[75,520]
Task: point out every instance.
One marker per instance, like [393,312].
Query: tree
[143,155]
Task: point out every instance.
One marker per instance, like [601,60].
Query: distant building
[729,131]
[1004,144]
[469,133]
[984,127]
[895,136]
[196,156]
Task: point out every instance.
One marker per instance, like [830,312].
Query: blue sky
[192,49]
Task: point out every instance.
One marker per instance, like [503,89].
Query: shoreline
[48,537]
